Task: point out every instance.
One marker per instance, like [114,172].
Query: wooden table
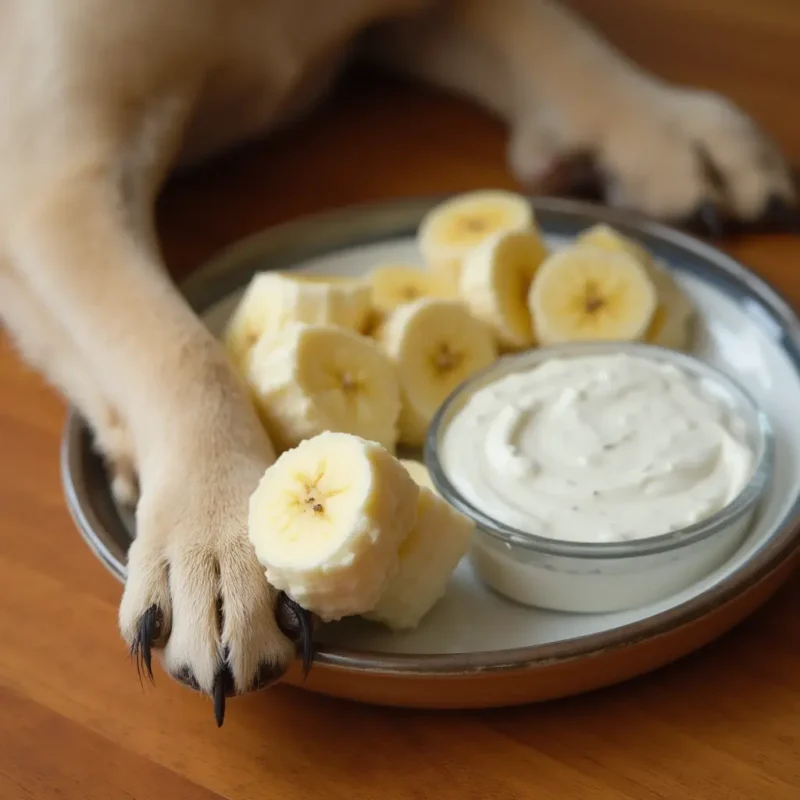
[74,721]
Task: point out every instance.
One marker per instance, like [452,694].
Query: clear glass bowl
[605,576]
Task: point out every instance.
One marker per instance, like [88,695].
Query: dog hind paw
[685,157]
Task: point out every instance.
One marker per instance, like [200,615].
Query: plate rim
[782,544]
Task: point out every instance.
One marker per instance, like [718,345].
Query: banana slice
[673,321]
[434,345]
[607,238]
[440,538]
[452,228]
[495,280]
[273,300]
[419,472]
[327,522]
[306,379]
[586,293]
[675,315]
[396,284]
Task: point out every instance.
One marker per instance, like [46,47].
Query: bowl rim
[742,504]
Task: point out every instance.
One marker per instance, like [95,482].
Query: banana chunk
[273,300]
[673,321]
[675,315]
[495,280]
[607,238]
[419,472]
[306,379]
[396,284]
[440,538]
[327,522]
[586,293]
[454,227]
[434,345]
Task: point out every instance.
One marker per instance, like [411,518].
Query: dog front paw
[681,156]
[195,592]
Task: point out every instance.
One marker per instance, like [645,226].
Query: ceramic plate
[476,649]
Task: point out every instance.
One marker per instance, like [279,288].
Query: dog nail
[149,636]
[296,624]
[585,180]
[709,219]
[223,687]
[780,214]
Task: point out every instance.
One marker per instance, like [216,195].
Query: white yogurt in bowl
[602,476]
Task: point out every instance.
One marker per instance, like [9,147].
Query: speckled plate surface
[475,649]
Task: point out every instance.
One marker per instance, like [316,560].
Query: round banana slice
[273,300]
[396,284]
[327,522]
[306,379]
[434,345]
[587,293]
[607,238]
[495,280]
[440,538]
[451,229]
[673,321]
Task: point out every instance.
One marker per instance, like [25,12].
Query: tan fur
[99,100]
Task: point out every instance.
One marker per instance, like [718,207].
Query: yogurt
[597,448]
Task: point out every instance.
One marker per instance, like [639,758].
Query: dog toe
[253,615]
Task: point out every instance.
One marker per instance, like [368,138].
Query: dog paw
[195,592]
[681,156]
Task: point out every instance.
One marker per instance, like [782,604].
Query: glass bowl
[601,577]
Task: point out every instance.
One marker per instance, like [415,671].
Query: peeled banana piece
[306,379]
[428,556]
[434,345]
[327,522]
[273,300]
[419,472]
[673,320]
[454,227]
[585,293]
[607,238]
[495,279]
[394,285]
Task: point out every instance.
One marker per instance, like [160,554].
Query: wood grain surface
[75,722]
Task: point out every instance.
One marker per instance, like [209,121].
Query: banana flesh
[274,300]
[454,227]
[587,293]
[327,522]
[306,379]
[434,345]
[495,281]
[673,321]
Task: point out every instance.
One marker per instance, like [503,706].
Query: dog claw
[223,687]
[709,218]
[296,624]
[585,180]
[151,631]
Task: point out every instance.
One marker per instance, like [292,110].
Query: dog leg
[48,348]
[194,588]
[667,151]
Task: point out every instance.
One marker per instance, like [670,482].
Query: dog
[100,104]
